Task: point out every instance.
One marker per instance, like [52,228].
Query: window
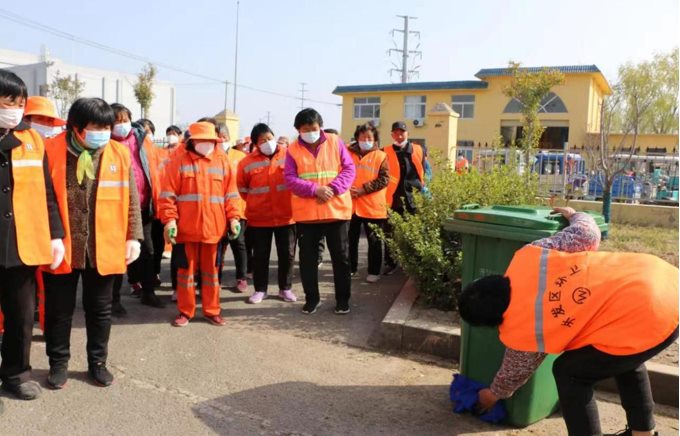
[367,107]
[414,107]
[465,143]
[464,105]
[550,104]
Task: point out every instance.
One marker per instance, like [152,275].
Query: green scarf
[85,165]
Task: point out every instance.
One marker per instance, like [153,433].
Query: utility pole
[236,56]
[302,91]
[405,52]
[268,117]
[226,92]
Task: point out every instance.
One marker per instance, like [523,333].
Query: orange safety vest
[29,200]
[112,204]
[619,303]
[395,170]
[321,170]
[152,170]
[373,205]
[462,165]
[262,185]
[235,157]
[200,193]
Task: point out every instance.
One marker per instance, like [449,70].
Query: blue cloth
[463,393]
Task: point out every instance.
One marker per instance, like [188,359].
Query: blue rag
[463,393]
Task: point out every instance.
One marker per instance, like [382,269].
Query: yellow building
[569,113]
[232,121]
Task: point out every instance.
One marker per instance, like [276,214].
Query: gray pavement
[270,371]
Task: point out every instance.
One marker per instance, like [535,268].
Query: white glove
[132,250]
[58,252]
[170,232]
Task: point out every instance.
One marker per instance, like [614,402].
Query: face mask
[226,145]
[268,148]
[122,130]
[366,145]
[10,118]
[311,137]
[172,139]
[150,136]
[46,131]
[401,144]
[204,148]
[97,139]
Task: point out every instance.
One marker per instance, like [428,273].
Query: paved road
[271,371]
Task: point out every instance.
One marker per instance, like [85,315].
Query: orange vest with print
[395,170]
[111,205]
[321,170]
[373,205]
[29,200]
[619,303]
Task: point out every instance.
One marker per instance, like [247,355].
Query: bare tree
[65,90]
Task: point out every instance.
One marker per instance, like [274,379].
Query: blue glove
[463,393]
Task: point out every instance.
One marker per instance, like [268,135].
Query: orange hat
[37,105]
[203,130]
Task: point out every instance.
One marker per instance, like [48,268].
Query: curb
[396,332]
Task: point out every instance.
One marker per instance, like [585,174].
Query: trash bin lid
[525,217]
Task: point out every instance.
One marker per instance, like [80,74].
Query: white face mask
[226,145]
[172,139]
[46,131]
[10,118]
[366,145]
[402,143]
[122,130]
[311,137]
[204,148]
[268,148]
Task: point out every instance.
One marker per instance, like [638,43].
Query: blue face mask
[97,139]
[366,145]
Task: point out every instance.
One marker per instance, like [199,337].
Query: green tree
[65,90]
[662,117]
[144,88]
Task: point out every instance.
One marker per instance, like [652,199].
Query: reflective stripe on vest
[217,199]
[281,187]
[318,175]
[248,168]
[190,197]
[218,171]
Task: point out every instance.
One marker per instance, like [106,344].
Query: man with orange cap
[198,205]
[41,115]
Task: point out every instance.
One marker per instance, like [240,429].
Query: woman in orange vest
[31,232]
[605,313]
[369,197]
[319,172]
[99,206]
[268,211]
[198,206]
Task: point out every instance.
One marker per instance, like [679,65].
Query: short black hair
[307,116]
[367,127]
[12,86]
[118,108]
[331,131]
[89,110]
[259,129]
[173,129]
[483,302]
[147,123]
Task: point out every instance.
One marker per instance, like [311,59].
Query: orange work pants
[200,257]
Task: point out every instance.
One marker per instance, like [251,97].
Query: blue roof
[487,72]
[414,86]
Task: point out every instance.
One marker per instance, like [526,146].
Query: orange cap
[37,105]
[203,130]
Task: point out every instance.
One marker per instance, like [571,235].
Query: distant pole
[236,56]
[302,95]
[226,92]
[404,51]
[404,54]
[268,117]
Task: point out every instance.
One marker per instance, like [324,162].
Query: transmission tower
[302,91]
[405,72]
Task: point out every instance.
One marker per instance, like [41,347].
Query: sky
[328,43]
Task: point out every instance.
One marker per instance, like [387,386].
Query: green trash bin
[490,238]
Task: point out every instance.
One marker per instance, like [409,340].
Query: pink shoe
[288,296]
[241,285]
[257,297]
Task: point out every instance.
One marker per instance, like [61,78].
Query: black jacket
[409,182]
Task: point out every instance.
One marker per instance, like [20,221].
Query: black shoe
[342,308]
[310,307]
[28,390]
[354,273]
[100,374]
[389,270]
[118,310]
[57,377]
[152,300]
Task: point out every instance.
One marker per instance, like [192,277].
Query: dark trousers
[158,242]
[141,270]
[60,302]
[337,239]
[284,238]
[577,371]
[174,265]
[375,254]
[238,248]
[17,301]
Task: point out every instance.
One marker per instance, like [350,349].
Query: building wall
[644,142]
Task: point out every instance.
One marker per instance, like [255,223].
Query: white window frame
[362,103]
[415,109]
[467,108]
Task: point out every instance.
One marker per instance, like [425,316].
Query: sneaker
[354,273]
[57,377]
[320,264]
[180,321]
[241,285]
[157,282]
[216,320]
[626,432]
[136,290]
[372,278]
[342,308]
[167,254]
[389,270]
[288,296]
[309,307]
[118,310]
[151,299]
[249,276]
[28,390]
[257,297]
[100,374]
[173,298]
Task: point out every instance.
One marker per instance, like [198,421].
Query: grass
[658,241]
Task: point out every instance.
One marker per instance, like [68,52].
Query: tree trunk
[606,206]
